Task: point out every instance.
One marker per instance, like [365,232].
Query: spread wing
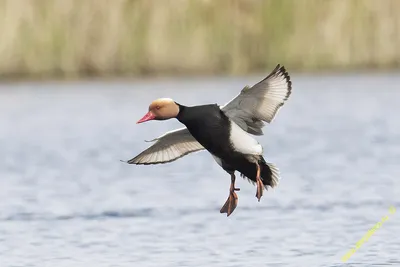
[260,102]
[168,147]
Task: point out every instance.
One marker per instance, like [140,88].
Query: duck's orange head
[161,109]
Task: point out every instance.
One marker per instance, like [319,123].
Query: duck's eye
[157,107]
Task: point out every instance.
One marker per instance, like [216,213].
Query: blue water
[67,200]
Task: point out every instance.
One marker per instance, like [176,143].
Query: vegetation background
[76,38]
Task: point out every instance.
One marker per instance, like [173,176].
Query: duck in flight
[224,131]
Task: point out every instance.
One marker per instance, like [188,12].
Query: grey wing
[168,147]
[261,102]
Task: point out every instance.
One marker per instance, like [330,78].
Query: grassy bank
[138,37]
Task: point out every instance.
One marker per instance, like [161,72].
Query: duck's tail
[269,172]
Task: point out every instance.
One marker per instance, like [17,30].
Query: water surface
[67,200]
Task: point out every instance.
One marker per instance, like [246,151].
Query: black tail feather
[269,173]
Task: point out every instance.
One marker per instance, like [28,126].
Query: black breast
[210,126]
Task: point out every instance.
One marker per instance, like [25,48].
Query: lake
[67,200]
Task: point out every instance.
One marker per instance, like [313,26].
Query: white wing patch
[168,147]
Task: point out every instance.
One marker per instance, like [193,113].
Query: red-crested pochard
[224,131]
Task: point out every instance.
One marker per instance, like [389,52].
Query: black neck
[181,112]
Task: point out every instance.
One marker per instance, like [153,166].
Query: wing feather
[261,102]
[168,147]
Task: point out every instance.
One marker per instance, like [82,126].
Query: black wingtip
[131,161]
[278,69]
[281,70]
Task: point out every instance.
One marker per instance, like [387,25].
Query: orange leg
[260,185]
[232,200]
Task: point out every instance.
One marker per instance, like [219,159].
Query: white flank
[243,142]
